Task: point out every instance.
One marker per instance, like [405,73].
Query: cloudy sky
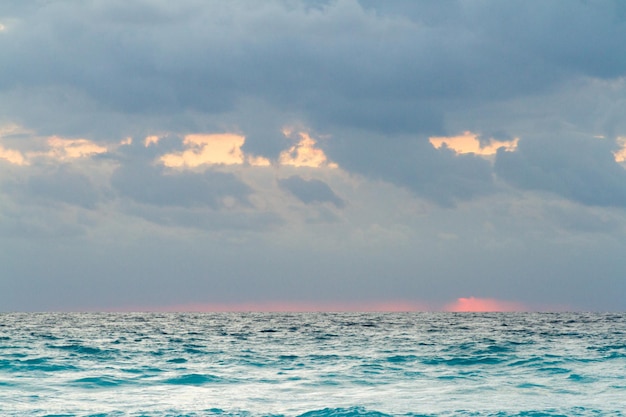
[312,155]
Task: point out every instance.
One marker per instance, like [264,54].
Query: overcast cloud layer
[203,155]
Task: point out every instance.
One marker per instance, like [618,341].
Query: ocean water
[313,364]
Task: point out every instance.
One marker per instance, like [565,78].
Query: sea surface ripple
[312,364]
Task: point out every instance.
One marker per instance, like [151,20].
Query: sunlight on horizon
[480,305]
[460,305]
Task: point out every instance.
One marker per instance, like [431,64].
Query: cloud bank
[312,153]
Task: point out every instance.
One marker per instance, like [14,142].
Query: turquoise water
[313,365]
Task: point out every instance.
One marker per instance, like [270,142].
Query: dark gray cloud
[394,68]
[54,185]
[437,174]
[155,186]
[580,36]
[384,66]
[268,143]
[64,186]
[138,154]
[583,170]
[310,191]
[48,202]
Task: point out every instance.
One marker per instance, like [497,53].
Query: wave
[194,379]
[272,365]
[100,382]
[352,412]
[344,412]
[80,349]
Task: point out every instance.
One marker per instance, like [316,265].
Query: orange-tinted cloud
[468,143]
[225,149]
[473,304]
[209,149]
[13,129]
[620,155]
[150,140]
[54,147]
[304,153]
[12,156]
[61,148]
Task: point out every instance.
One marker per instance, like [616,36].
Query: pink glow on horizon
[473,304]
[463,304]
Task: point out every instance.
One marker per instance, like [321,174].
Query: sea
[312,364]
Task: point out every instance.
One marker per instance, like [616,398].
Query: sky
[287,155]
